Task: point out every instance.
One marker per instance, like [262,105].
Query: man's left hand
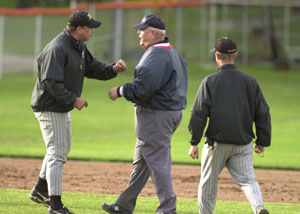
[259,149]
[120,66]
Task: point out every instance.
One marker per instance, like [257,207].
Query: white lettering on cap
[144,20]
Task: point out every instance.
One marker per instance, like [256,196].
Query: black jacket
[160,79]
[233,101]
[62,66]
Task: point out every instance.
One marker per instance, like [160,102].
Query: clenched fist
[80,103]
[120,66]
[113,93]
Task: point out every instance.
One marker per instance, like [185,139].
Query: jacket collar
[227,67]
[77,44]
[166,40]
[163,44]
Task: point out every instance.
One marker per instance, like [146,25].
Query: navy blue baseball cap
[151,20]
[225,45]
[82,18]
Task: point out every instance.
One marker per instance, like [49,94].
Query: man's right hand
[120,66]
[194,152]
[113,93]
[80,103]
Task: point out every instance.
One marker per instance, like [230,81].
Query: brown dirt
[111,178]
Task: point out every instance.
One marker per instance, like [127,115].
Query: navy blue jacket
[160,79]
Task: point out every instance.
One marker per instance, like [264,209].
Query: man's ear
[79,29]
[153,34]
[217,55]
[236,54]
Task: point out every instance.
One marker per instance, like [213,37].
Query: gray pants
[239,162]
[56,130]
[152,157]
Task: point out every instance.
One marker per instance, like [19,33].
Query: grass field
[105,130]
[17,201]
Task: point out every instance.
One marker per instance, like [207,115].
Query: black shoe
[262,211]
[63,210]
[40,197]
[115,209]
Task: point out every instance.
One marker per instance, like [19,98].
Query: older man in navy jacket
[159,93]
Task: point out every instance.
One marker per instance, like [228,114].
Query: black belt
[210,143]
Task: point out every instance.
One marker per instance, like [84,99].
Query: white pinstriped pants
[56,130]
[239,162]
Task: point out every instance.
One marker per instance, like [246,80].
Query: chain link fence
[263,32]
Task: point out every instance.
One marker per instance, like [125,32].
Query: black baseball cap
[151,20]
[225,45]
[82,18]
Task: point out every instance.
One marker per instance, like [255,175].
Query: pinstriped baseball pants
[239,161]
[56,130]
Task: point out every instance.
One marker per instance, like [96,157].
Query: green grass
[17,201]
[105,130]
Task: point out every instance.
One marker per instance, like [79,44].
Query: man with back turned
[232,101]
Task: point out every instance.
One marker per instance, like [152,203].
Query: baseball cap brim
[140,26]
[93,24]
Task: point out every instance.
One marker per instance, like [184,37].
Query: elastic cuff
[112,68]
[119,93]
[194,142]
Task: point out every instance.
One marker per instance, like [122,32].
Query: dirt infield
[111,178]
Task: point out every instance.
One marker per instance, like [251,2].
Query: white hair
[160,31]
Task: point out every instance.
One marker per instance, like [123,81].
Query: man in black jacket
[62,66]
[232,101]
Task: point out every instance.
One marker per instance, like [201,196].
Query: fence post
[245,33]
[212,24]
[91,42]
[147,11]
[287,19]
[266,30]
[1,44]
[224,15]
[203,34]
[117,50]
[73,4]
[179,16]
[37,40]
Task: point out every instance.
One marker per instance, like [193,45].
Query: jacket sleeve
[262,120]
[97,70]
[52,76]
[199,113]
[150,76]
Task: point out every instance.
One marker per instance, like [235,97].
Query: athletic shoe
[64,210]
[115,209]
[262,210]
[40,197]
